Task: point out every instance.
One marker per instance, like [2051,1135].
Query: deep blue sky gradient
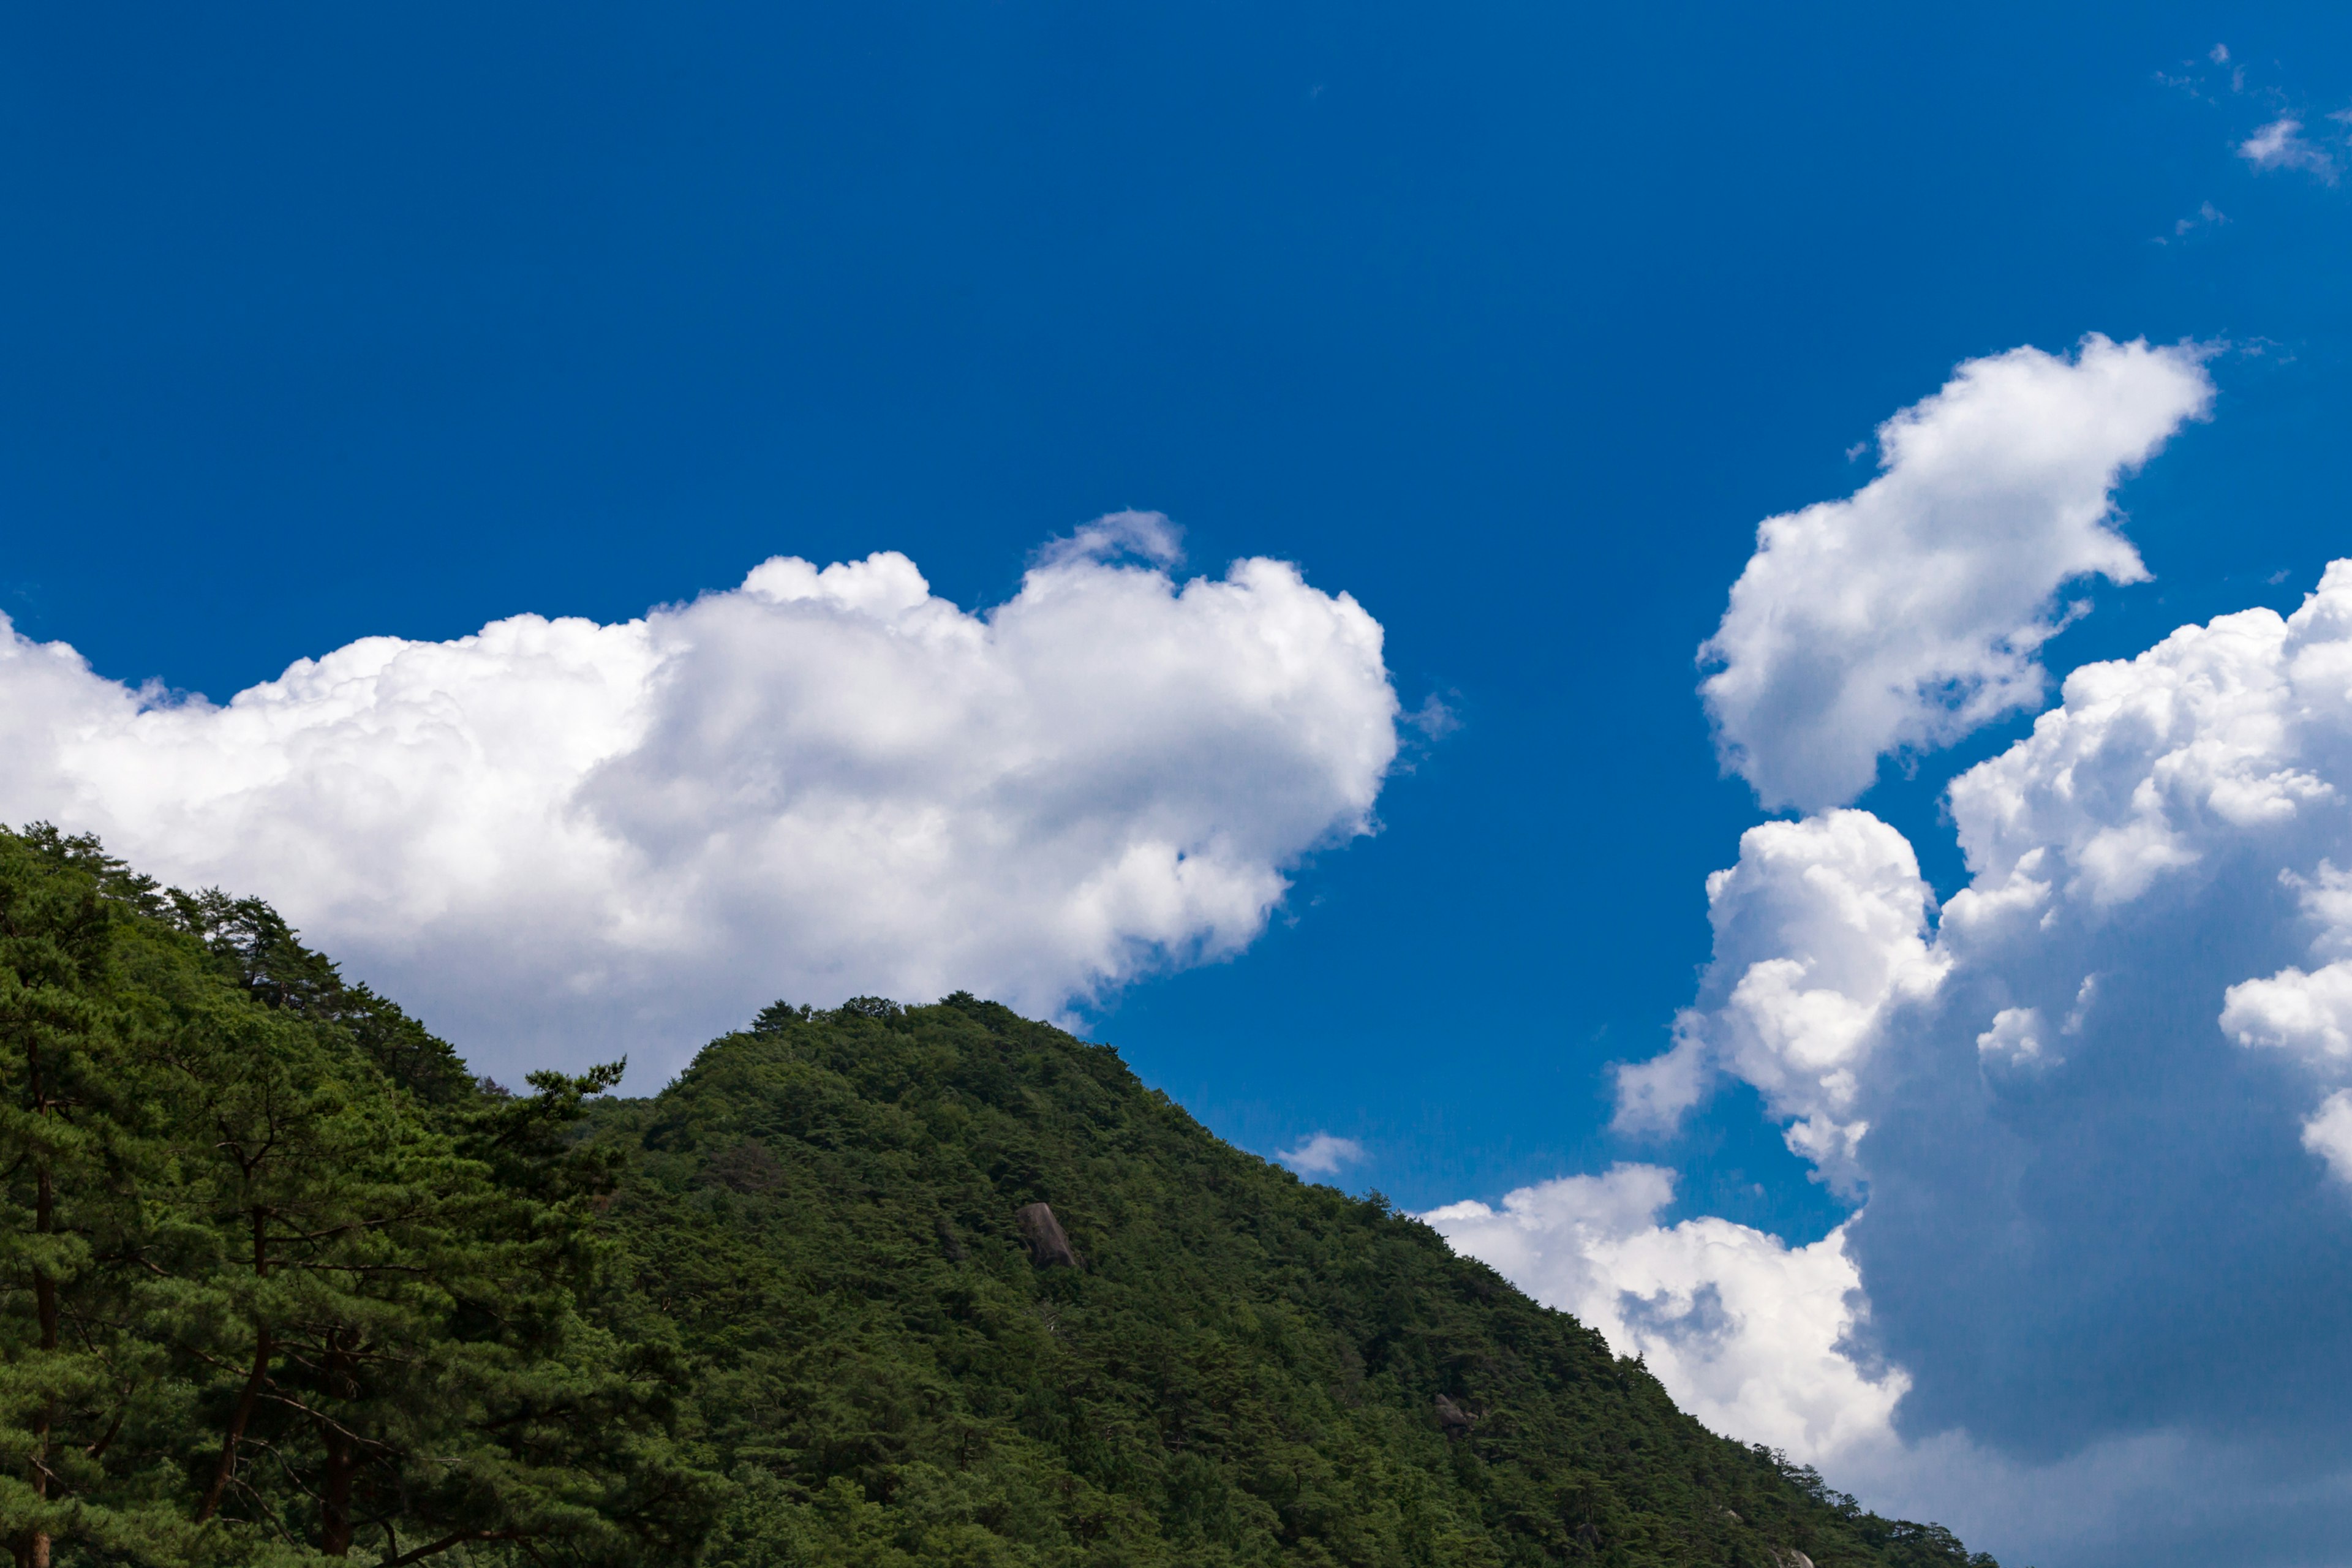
[321,320]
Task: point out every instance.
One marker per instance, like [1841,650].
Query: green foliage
[280,1282]
[283,1283]
[1247,1370]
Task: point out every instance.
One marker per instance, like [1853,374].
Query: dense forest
[875,1286]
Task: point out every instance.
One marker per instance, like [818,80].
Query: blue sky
[1510,324]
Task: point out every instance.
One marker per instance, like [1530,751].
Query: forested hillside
[284,1284]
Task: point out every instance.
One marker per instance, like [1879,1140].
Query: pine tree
[283,1282]
[67,1122]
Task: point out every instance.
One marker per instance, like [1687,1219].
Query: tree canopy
[1226,1366]
[281,1282]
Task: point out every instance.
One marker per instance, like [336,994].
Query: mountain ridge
[1243,1367]
[283,1284]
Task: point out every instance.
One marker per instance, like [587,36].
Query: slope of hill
[1238,1367]
[281,1284]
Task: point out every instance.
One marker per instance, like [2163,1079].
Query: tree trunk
[342,1457]
[263,1348]
[45,1307]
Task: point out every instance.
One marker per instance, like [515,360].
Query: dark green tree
[284,1282]
[1240,1370]
[59,1207]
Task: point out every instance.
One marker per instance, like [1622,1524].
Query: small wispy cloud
[2207,217]
[1322,1155]
[2287,134]
[2192,78]
[1435,718]
[2280,144]
[1138,535]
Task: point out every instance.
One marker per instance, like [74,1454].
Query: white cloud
[1820,936]
[1762,1342]
[2211,777]
[2095,1264]
[2207,215]
[1322,1155]
[1748,1334]
[2164,1499]
[562,839]
[1146,535]
[1912,612]
[2308,1015]
[2221,734]
[2101,1109]
[2280,144]
[2328,1133]
[2015,1037]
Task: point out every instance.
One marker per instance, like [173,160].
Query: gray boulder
[1048,1246]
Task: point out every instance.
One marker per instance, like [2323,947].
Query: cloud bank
[561,840]
[1749,1334]
[1911,612]
[2098,1107]
[2101,1106]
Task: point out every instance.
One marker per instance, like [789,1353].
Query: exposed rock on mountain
[1048,1248]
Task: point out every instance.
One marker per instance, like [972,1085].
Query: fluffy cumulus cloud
[2101,1103]
[1913,611]
[2096,1109]
[1749,1334]
[2214,767]
[1820,937]
[2328,1133]
[560,839]
[2307,1015]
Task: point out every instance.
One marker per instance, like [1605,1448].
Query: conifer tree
[65,1121]
[283,1283]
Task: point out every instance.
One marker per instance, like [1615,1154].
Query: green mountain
[874,1285]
